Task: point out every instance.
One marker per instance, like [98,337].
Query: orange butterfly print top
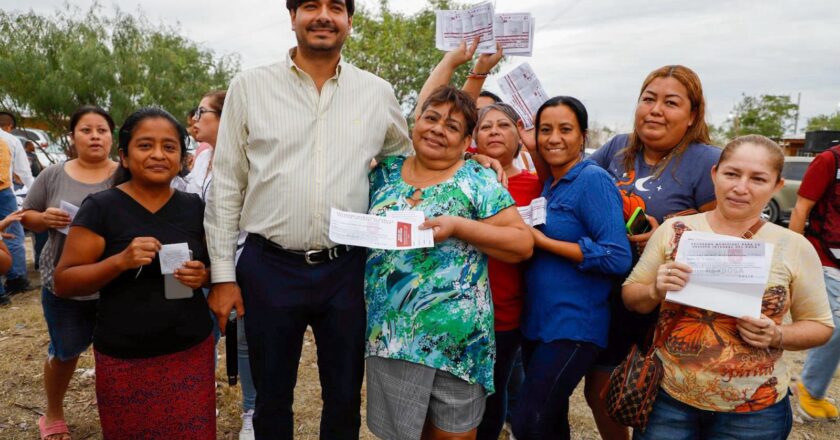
[707,364]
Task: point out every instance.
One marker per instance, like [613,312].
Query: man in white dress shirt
[296,139]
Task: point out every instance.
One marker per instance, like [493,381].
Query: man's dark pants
[283,294]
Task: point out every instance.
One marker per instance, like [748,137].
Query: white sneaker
[247,432]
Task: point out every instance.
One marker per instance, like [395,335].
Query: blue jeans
[517,378]
[283,295]
[552,371]
[249,393]
[495,412]
[821,362]
[8,205]
[674,420]
[38,246]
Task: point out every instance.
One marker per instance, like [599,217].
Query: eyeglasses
[201,110]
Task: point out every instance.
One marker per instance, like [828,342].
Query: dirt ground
[23,347]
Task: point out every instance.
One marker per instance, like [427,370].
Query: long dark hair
[127,132]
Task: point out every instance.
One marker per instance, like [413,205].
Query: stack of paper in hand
[524,92]
[513,31]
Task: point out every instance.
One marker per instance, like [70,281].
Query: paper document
[399,230]
[173,256]
[524,92]
[454,26]
[515,33]
[533,214]
[70,209]
[729,275]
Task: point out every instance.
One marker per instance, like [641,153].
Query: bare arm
[800,335]
[80,273]
[442,73]
[644,297]
[52,218]
[530,144]
[486,62]
[5,258]
[503,236]
[568,250]
[800,214]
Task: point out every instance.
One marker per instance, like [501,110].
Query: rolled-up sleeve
[606,249]
[230,180]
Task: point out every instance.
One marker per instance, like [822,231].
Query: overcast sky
[598,50]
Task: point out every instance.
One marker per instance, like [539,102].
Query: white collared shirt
[286,154]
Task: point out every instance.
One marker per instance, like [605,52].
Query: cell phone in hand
[638,223]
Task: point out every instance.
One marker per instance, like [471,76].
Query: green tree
[719,135]
[399,48]
[768,115]
[53,64]
[824,122]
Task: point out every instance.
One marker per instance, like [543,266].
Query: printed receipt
[533,214]
[729,275]
[515,33]
[173,256]
[524,92]
[397,231]
[454,26]
[70,209]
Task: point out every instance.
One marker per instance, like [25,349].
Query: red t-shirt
[506,280]
[818,179]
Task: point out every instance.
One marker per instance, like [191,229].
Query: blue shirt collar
[573,173]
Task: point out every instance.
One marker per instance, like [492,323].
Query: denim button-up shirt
[567,300]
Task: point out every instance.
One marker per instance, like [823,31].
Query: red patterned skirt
[171,396]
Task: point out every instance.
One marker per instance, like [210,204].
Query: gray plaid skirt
[401,395]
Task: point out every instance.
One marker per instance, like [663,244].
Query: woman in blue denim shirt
[581,246]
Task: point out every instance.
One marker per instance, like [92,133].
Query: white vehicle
[48,152]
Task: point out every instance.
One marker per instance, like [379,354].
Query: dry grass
[23,344]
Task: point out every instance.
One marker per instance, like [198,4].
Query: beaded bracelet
[475,75]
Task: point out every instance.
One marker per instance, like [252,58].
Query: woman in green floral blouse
[430,347]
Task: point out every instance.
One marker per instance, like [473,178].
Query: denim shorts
[675,420]
[70,324]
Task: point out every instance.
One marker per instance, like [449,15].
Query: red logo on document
[403,234]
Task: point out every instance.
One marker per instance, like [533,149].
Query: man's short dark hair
[7,118]
[491,95]
[292,5]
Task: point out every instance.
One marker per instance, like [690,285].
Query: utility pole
[796,120]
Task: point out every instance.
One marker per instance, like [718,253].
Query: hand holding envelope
[720,273]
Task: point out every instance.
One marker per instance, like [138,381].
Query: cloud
[599,51]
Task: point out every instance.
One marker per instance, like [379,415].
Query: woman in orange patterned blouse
[724,376]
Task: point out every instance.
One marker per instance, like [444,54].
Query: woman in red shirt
[497,136]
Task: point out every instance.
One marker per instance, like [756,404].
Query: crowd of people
[497,323]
